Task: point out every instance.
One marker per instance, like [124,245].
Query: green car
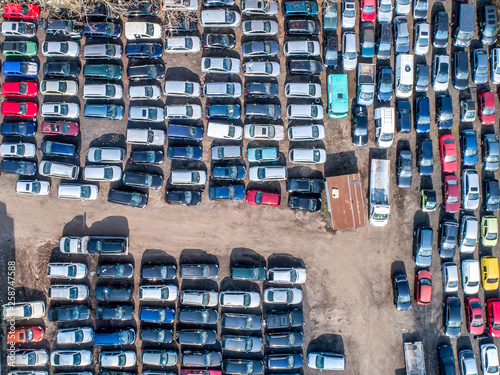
[102,71]
[19,48]
[489,231]
[429,200]
[248,273]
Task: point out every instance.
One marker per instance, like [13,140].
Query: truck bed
[366,74]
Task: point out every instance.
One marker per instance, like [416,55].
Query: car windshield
[442,74]
[369,9]
[488,111]
[111,111]
[491,236]
[471,151]
[135,199]
[261,173]
[450,158]
[349,13]
[423,40]
[385,7]
[109,28]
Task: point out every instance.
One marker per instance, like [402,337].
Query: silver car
[31,357]
[286,275]
[348,14]
[33,187]
[146,92]
[220,65]
[79,335]
[470,189]
[71,358]
[259,28]
[67,270]
[59,49]
[68,292]
[117,359]
[146,114]
[159,357]
[60,109]
[287,296]
[158,292]
[59,87]
[239,299]
[199,298]
[349,51]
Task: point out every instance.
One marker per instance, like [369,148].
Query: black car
[107,294]
[107,245]
[261,89]
[444,116]
[20,167]
[301,27]
[199,271]
[159,272]
[440,30]
[69,313]
[448,238]
[115,270]
[149,71]
[404,164]
[196,337]
[131,198]
[150,157]
[359,126]
[305,185]
[308,67]
[461,70]
[142,180]
[401,290]
[158,335]
[141,9]
[197,316]
[297,202]
[61,69]
[183,197]
[446,360]
[404,117]
[63,28]
[452,316]
[425,157]
[491,195]
[218,41]
[290,319]
[284,339]
[330,51]
[242,367]
[200,358]
[114,312]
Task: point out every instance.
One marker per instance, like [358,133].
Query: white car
[303,90]
[24,310]
[307,156]
[286,296]
[146,114]
[261,69]
[305,111]
[224,130]
[58,170]
[68,292]
[286,275]
[470,189]
[180,5]
[306,133]
[384,14]
[31,357]
[19,29]
[182,44]
[106,154]
[102,173]
[150,136]
[145,92]
[33,187]
[305,48]
[403,7]
[259,7]
[470,276]
[78,335]
[259,28]
[449,272]
[67,270]
[142,30]
[468,235]
[102,91]
[188,177]
[349,51]
[219,18]
[422,35]
[348,14]
[17,150]
[202,298]
[118,359]
[441,72]
[239,299]
[38,372]
[188,111]
[326,361]
[268,132]
[495,65]
[267,173]
[182,88]
[59,88]
[83,192]
[158,292]
[60,109]
[489,359]
[220,65]
[57,49]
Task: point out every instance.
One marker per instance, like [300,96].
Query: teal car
[263,154]
[248,273]
[102,71]
[19,48]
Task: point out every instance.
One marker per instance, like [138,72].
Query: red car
[493,315]
[21,11]
[487,107]
[60,128]
[423,290]
[451,194]
[262,198]
[26,334]
[20,89]
[448,150]
[475,319]
[19,109]
[368,11]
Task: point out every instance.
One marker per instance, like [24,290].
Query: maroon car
[60,128]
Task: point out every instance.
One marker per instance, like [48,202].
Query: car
[264,132]
[69,313]
[19,89]
[145,92]
[184,152]
[294,8]
[330,15]
[241,321]
[491,195]
[185,132]
[109,294]
[265,8]
[440,30]
[197,316]
[489,359]
[101,11]
[474,316]
[101,30]
[229,172]
[441,72]
[181,88]
[219,41]
[425,157]
[267,173]
[305,185]
[453,316]
[423,287]
[480,66]
[60,109]
[302,27]
[23,310]
[229,192]
[245,344]
[220,18]
[384,14]
[72,292]
[384,40]
[490,152]
[307,203]
[420,9]
[159,272]
[141,9]
[385,84]
[242,366]
[146,114]
[51,148]
[423,246]
[469,147]
[59,88]
[330,51]
[17,149]
[421,78]
[20,69]
[130,198]
[103,111]
[187,111]
[226,152]
[200,358]
[286,275]
[493,318]
[261,68]
[489,231]
[106,155]
[368,11]
[259,48]
[67,270]
[444,116]
[32,187]
[449,272]
[223,111]
[19,29]
[283,361]
[158,293]
[241,299]
[115,337]
[487,107]
[422,117]
[307,156]
[262,154]
[102,71]
[187,177]
[143,50]
[156,335]
[304,67]
[142,30]
[470,189]
[488,25]
[23,335]
[61,69]
[199,271]
[470,276]
[115,270]
[281,340]
[20,167]
[182,44]
[304,111]
[248,273]
[147,137]
[460,77]
[60,49]
[156,315]
[94,245]
[448,240]
[220,65]
[451,194]
[404,117]
[78,335]
[117,359]
[495,65]
[422,31]
[61,28]
[196,337]
[349,51]
[428,200]
[367,40]
[148,71]
[18,129]
[259,27]
[58,170]
[467,362]
[21,11]
[146,157]
[401,35]
[183,197]
[30,357]
[348,14]
[401,290]
[446,359]
[448,151]
[19,109]
[404,168]
[286,296]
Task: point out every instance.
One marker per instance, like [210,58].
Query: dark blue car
[184,152]
[156,315]
[25,129]
[404,117]
[444,112]
[20,167]
[425,158]
[231,192]
[185,132]
[118,337]
[143,50]
[422,118]
[102,30]
[20,69]
[469,147]
[229,172]
[51,148]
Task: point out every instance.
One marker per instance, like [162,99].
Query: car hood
[469,160]
[445,124]
[452,332]
[359,140]
[403,306]
[426,170]
[423,261]
[404,181]
[461,83]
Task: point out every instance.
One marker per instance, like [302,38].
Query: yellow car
[489,231]
[489,273]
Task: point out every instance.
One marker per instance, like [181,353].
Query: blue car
[51,148]
[263,154]
[184,152]
[367,40]
[404,117]
[230,192]
[229,172]
[469,147]
[20,69]
[185,132]
[384,92]
[102,30]
[444,112]
[422,118]
[223,111]
[425,157]
[143,50]
[20,167]
[25,129]
[118,337]
[156,315]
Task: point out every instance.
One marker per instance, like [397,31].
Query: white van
[188,177]
[224,131]
[84,192]
[470,276]
[306,132]
[403,82]
[384,126]
[181,88]
[219,18]
[146,136]
[222,90]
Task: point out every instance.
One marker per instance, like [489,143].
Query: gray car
[423,243]
[404,168]
[115,270]
[260,48]
[159,272]
[401,35]
[241,321]
[244,344]
[448,241]
[480,61]
[199,271]
[158,335]
[242,367]
[159,357]
[452,317]
[105,293]
[491,152]
[196,337]
[197,316]
[200,359]
[284,339]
